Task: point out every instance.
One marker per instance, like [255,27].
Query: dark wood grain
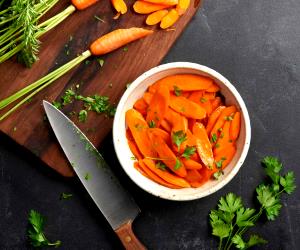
[120,68]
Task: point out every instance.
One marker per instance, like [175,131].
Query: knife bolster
[127,237]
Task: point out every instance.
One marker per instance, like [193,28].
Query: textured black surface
[256,45]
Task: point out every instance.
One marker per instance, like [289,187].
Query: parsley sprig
[178,138]
[231,219]
[36,231]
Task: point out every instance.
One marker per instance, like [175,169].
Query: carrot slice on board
[81,5]
[191,164]
[155,17]
[141,106]
[235,126]
[216,102]
[154,177]
[168,177]
[168,20]
[184,82]
[177,121]
[135,150]
[142,7]
[223,138]
[213,118]
[213,88]
[165,125]
[161,133]
[138,127]
[147,97]
[186,107]
[120,6]
[182,6]
[167,156]
[227,112]
[203,146]
[224,157]
[158,106]
[165,2]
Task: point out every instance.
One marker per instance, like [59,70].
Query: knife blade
[115,203]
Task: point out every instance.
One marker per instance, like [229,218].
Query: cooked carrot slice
[182,6]
[216,102]
[138,127]
[213,118]
[167,156]
[129,135]
[196,96]
[213,88]
[186,107]
[120,6]
[202,99]
[155,17]
[168,177]
[168,20]
[165,125]
[165,2]
[158,106]
[206,173]
[193,176]
[142,7]
[154,177]
[177,121]
[223,138]
[184,82]
[191,164]
[225,114]
[225,156]
[235,126]
[135,150]
[138,168]
[141,106]
[191,123]
[204,147]
[161,133]
[147,97]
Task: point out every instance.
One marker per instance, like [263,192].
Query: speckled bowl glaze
[136,90]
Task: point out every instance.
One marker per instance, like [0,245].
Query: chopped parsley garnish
[152,124]
[161,166]
[178,138]
[87,176]
[220,162]
[36,231]
[101,62]
[217,145]
[188,151]
[177,91]
[218,174]
[125,49]
[177,164]
[214,138]
[82,116]
[203,99]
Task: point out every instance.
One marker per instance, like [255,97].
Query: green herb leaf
[214,138]
[255,240]
[188,151]
[221,230]
[231,203]
[87,176]
[177,164]
[82,116]
[57,105]
[35,232]
[220,162]
[177,90]
[239,242]
[288,182]
[161,166]
[101,62]
[203,99]
[152,124]
[217,175]
[272,167]
[243,215]
[178,138]
[125,49]
[65,196]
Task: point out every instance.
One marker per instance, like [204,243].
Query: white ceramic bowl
[136,90]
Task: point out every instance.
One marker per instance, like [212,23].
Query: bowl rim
[235,93]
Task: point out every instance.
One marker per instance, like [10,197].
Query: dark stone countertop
[256,45]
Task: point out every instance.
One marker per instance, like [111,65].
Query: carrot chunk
[156,17]
[168,177]
[169,19]
[142,7]
[182,6]
[138,127]
[186,107]
[216,103]
[120,6]
[177,121]
[81,4]
[141,106]
[235,126]
[165,125]
[135,150]
[224,157]
[158,106]
[213,88]
[191,164]
[223,140]
[147,97]
[164,2]
[204,147]
[161,133]
[213,118]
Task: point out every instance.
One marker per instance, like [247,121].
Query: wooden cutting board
[28,127]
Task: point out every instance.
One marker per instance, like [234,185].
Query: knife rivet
[127,238]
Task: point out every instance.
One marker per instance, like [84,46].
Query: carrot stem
[40,84]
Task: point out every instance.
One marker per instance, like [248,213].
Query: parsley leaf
[35,232]
[288,182]
[82,116]
[57,105]
[243,215]
[177,90]
[239,242]
[188,151]
[203,99]
[230,203]
[255,240]
[177,164]
[178,138]
[272,168]
[161,166]
[214,138]
[221,230]
[152,124]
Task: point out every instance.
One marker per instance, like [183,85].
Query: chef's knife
[115,203]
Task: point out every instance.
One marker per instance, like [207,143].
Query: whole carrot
[117,39]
